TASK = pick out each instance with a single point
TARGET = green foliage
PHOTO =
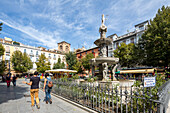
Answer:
(21, 62)
(2, 67)
(43, 64)
(59, 65)
(86, 61)
(125, 54)
(75, 77)
(160, 80)
(64, 78)
(2, 49)
(71, 60)
(0, 26)
(78, 67)
(154, 44)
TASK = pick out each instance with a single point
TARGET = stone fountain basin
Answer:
(105, 41)
(109, 60)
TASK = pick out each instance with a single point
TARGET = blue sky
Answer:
(48, 22)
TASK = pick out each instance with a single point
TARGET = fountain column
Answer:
(103, 60)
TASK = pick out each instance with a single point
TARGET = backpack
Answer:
(50, 84)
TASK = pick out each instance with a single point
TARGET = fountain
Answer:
(103, 61)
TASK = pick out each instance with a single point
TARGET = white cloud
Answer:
(76, 21)
(48, 39)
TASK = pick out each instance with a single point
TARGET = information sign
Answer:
(149, 81)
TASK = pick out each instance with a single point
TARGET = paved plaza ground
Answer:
(12, 100)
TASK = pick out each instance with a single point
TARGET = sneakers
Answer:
(50, 101)
(38, 106)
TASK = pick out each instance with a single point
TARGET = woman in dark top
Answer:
(8, 79)
(14, 78)
(34, 83)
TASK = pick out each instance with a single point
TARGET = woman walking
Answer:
(8, 79)
(14, 78)
(47, 89)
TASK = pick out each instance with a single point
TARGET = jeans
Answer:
(47, 93)
(14, 83)
(34, 92)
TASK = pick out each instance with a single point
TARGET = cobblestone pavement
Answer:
(17, 100)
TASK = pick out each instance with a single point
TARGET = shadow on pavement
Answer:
(11, 93)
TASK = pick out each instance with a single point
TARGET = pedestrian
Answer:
(14, 78)
(25, 77)
(34, 83)
(47, 88)
(8, 79)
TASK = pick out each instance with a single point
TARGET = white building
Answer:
(131, 37)
(34, 52)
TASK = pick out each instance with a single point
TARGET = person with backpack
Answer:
(34, 83)
(47, 88)
(14, 78)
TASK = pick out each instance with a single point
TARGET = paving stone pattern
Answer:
(17, 100)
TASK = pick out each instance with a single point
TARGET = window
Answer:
(141, 27)
(132, 40)
(31, 51)
(61, 47)
(67, 48)
(24, 50)
(36, 59)
(7, 49)
(124, 41)
(36, 52)
(117, 44)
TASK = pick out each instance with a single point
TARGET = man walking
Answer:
(34, 83)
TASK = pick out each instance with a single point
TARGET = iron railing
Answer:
(108, 98)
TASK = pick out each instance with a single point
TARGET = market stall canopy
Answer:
(61, 71)
(137, 71)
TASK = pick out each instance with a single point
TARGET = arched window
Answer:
(61, 47)
(67, 48)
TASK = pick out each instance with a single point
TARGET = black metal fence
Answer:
(108, 98)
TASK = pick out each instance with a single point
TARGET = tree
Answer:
(125, 54)
(0, 26)
(71, 59)
(59, 65)
(2, 50)
(43, 64)
(154, 44)
(21, 62)
(78, 67)
(86, 61)
(2, 63)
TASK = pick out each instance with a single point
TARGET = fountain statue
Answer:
(103, 61)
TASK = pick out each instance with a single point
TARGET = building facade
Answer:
(64, 47)
(131, 37)
(33, 52)
(95, 51)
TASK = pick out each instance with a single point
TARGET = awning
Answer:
(137, 71)
(61, 71)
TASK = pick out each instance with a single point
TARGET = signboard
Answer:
(149, 81)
